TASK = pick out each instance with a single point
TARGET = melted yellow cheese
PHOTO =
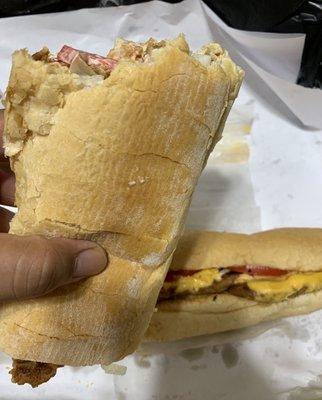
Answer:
(279, 289)
(265, 290)
(242, 278)
(193, 283)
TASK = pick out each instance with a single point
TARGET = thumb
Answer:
(31, 266)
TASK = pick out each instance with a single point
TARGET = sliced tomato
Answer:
(253, 270)
(258, 270)
(67, 55)
(174, 275)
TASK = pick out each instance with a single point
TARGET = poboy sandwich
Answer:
(224, 281)
(108, 149)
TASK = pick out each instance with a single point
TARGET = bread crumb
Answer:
(152, 259)
(114, 369)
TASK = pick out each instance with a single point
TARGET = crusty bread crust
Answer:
(174, 320)
(91, 322)
(116, 163)
(298, 249)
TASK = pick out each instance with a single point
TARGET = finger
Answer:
(5, 218)
(2, 158)
(31, 266)
(5, 166)
(7, 188)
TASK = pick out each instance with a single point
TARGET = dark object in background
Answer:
(282, 16)
(254, 15)
(10, 8)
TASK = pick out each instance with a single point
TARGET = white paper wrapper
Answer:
(280, 185)
(275, 59)
(225, 197)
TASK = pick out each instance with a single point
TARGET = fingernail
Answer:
(89, 262)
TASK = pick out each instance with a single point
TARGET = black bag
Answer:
(286, 16)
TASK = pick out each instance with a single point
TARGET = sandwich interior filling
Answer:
(93, 68)
(259, 283)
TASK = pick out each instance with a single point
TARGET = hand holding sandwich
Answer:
(107, 148)
(33, 265)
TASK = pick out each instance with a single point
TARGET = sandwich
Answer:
(107, 149)
(224, 281)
